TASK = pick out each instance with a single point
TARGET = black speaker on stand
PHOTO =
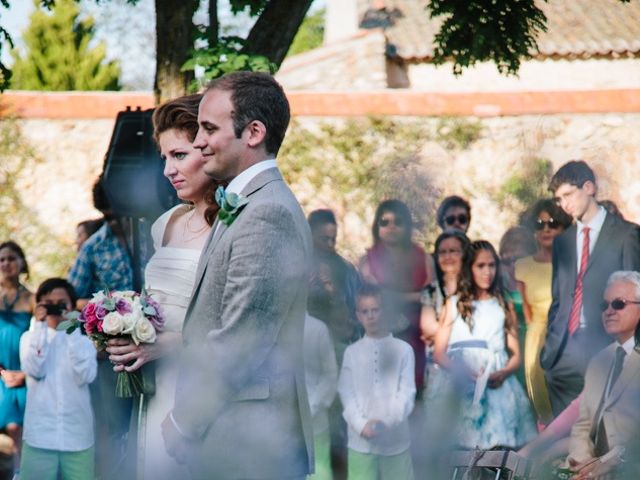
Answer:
(137, 190)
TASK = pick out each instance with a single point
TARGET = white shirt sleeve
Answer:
(324, 392)
(352, 413)
(82, 355)
(33, 351)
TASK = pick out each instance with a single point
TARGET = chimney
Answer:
(341, 20)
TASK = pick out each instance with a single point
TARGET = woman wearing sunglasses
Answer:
(547, 220)
(402, 269)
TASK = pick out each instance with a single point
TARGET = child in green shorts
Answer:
(377, 389)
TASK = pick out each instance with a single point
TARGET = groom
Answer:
(241, 408)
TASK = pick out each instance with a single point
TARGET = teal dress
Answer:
(12, 400)
(515, 298)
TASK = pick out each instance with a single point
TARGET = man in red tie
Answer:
(584, 257)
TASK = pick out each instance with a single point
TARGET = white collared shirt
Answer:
(628, 346)
(238, 183)
(59, 369)
(595, 226)
(377, 383)
(320, 370)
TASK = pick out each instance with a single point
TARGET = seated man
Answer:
(609, 415)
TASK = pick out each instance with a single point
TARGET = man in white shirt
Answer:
(584, 256)
(609, 406)
(377, 390)
(58, 420)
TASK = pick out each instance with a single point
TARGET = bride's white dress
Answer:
(169, 278)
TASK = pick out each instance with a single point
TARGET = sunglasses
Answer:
(551, 223)
(616, 304)
(385, 222)
(461, 219)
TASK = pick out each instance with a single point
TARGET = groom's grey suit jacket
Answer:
(241, 394)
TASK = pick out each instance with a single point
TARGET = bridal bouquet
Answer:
(119, 314)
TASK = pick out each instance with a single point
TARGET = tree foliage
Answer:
(501, 31)
(59, 55)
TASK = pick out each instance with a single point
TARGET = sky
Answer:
(128, 31)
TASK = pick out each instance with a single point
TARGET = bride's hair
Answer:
(182, 114)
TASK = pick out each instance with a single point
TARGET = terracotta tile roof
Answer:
(576, 28)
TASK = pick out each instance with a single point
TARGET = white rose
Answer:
(98, 297)
(129, 320)
(143, 332)
(112, 323)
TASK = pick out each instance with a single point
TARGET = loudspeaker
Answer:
(133, 177)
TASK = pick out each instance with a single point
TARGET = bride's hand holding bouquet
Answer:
(120, 317)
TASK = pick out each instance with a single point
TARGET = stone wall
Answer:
(57, 189)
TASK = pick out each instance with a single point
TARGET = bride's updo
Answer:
(182, 114)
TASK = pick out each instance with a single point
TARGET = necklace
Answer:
(8, 305)
(194, 233)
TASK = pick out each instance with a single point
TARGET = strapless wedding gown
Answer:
(169, 278)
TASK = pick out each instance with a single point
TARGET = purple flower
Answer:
(101, 312)
(156, 320)
(123, 306)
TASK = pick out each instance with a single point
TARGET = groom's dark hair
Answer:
(256, 96)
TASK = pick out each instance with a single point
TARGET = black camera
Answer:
(54, 308)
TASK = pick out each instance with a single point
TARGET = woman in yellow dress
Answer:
(534, 276)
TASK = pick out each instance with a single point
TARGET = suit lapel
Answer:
(604, 238)
(630, 370)
(218, 229)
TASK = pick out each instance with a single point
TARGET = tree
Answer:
(310, 35)
(58, 55)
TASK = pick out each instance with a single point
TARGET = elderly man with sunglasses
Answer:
(609, 417)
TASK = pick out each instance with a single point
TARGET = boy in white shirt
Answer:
(377, 389)
(58, 421)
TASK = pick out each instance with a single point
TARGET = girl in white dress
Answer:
(178, 237)
(478, 340)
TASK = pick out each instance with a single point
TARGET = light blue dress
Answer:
(12, 400)
(489, 416)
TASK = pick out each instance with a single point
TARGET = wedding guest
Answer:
(478, 341)
(609, 407)
(179, 236)
(454, 213)
(533, 272)
(332, 292)
(583, 258)
(516, 243)
(321, 378)
(377, 390)
(85, 229)
(402, 269)
(16, 308)
(58, 430)
(438, 408)
(104, 262)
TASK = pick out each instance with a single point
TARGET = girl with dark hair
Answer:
(479, 337)
(402, 269)
(178, 238)
(16, 307)
(533, 273)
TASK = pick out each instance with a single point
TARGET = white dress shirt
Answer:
(238, 183)
(595, 226)
(321, 371)
(377, 383)
(59, 369)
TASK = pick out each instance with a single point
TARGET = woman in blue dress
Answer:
(478, 342)
(16, 307)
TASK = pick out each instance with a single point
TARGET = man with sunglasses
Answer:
(454, 213)
(583, 258)
(609, 406)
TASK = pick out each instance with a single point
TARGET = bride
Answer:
(178, 237)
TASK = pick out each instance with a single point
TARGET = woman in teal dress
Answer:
(16, 307)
